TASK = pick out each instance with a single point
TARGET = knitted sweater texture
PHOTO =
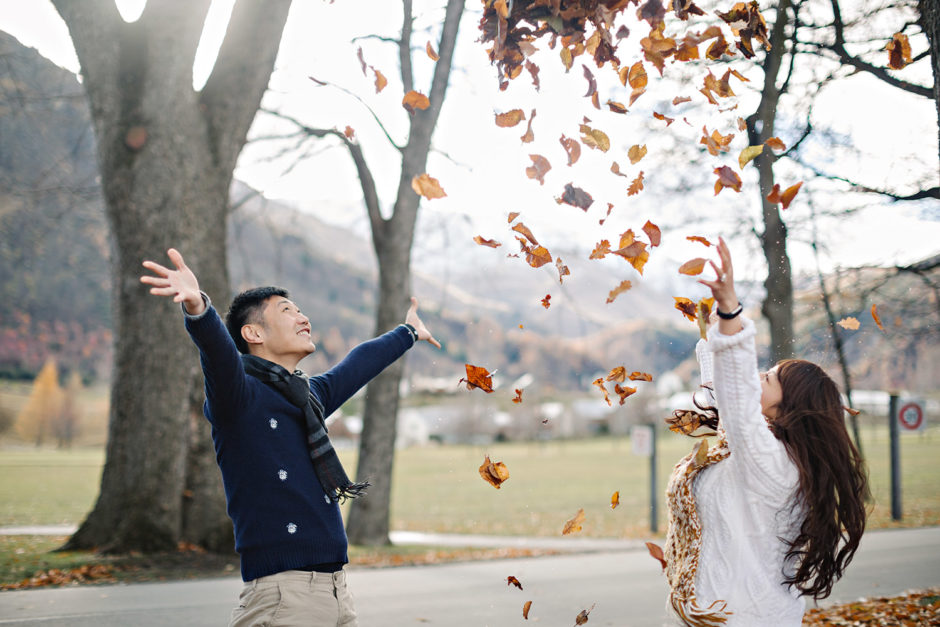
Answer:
(283, 519)
(746, 502)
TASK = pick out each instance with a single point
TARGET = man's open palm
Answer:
(180, 284)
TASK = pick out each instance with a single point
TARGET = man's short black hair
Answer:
(246, 309)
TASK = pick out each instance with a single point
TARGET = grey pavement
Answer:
(623, 583)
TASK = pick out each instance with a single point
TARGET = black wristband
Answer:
(731, 314)
(411, 329)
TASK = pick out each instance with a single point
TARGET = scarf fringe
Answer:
(691, 614)
(351, 491)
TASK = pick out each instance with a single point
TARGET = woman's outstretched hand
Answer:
(726, 300)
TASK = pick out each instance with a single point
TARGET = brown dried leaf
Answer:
(525, 609)
(563, 270)
(486, 242)
(582, 617)
(693, 267)
(594, 138)
(899, 51)
(431, 53)
(656, 553)
(512, 581)
(641, 376)
(749, 154)
(494, 474)
(615, 499)
(600, 251)
(652, 231)
(727, 178)
(509, 118)
(849, 323)
(546, 302)
(518, 397)
(478, 377)
(539, 168)
(576, 197)
(414, 100)
(699, 239)
(617, 374)
(427, 186)
(876, 317)
(574, 525)
(572, 148)
(636, 152)
(529, 136)
(636, 185)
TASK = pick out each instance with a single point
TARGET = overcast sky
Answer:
(481, 167)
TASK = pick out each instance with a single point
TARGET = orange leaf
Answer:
(546, 302)
(510, 118)
(899, 51)
(615, 499)
(539, 168)
(616, 107)
(574, 525)
(727, 178)
(636, 185)
(512, 216)
(680, 99)
(518, 397)
(600, 251)
(652, 231)
(493, 474)
(641, 376)
(624, 392)
(594, 138)
(512, 581)
(525, 609)
(486, 242)
(599, 382)
(686, 306)
(693, 266)
(524, 230)
(789, 193)
(615, 168)
(349, 132)
(660, 116)
(563, 270)
(433, 55)
(529, 136)
(478, 377)
(775, 144)
(582, 617)
(380, 80)
(656, 553)
(875, 317)
(414, 100)
(699, 239)
(849, 323)
(618, 374)
(617, 291)
(427, 186)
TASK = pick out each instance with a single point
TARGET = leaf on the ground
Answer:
(849, 323)
(494, 473)
(478, 377)
(427, 186)
(876, 317)
(693, 267)
(539, 168)
(574, 525)
(615, 499)
(512, 581)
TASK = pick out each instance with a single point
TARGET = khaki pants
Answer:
(295, 598)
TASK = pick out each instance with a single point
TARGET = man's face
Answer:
(285, 329)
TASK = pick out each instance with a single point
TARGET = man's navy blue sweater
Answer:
(282, 517)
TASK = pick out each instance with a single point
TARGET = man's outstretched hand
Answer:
(181, 283)
(413, 319)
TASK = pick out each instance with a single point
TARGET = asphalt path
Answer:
(624, 586)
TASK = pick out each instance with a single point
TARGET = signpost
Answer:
(911, 415)
(643, 440)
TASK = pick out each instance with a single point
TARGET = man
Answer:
(283, 481)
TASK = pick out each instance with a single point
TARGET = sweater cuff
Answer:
(717, 341)
(206, 302)
(411, 332)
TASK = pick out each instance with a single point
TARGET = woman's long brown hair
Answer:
(810, 421)
(833, 479)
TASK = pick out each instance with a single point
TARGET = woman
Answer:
(774, 510)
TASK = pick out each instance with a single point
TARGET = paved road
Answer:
(624, 585)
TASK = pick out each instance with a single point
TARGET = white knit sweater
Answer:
(745, 502)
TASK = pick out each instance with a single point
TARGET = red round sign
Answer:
(911, 416)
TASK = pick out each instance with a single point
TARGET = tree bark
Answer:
(778, 302)
(166, 155)
(392, 238)
(930, 22)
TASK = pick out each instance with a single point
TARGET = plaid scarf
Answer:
(296, 389)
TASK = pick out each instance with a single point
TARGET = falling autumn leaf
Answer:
(528, 137)
(539, 168)
(574, 525)
(652, 231)
(701, 454)
(349, 132)
(486, 242)
(615, 168)
(576, 197)
(686, 306)
(618, 374)
(594, 138)
(635, 153)
(716, 143)
(546, 302)
(693, 267)
(849, 323)
(415, 100)
(512, 581)
(427, 186)
(699, 239)
(525, 609)
(512, 216)
(785, 197)
(525, 231)
(509, 118)
(563, 270)
(478, 377)
(775, 144)
(666, 119)
(616, 107)
(572, 148)
(380, 80)
(615, 499)
(431, 53)
(876, 317)
(582, 617)
(623, 392)
(362, 61)
(680, 99)
(518, 397)
(636, 185)
(656, 553)
(640, 376)
(600, 250)
(617, 291)
(727, 178)
(599, 382)
(899, 51)
(592, 82)
(748, 154)
(494, 474)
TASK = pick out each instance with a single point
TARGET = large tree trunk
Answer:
(166, 155)
(930, 22)
(392, 238)
(778, 302)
